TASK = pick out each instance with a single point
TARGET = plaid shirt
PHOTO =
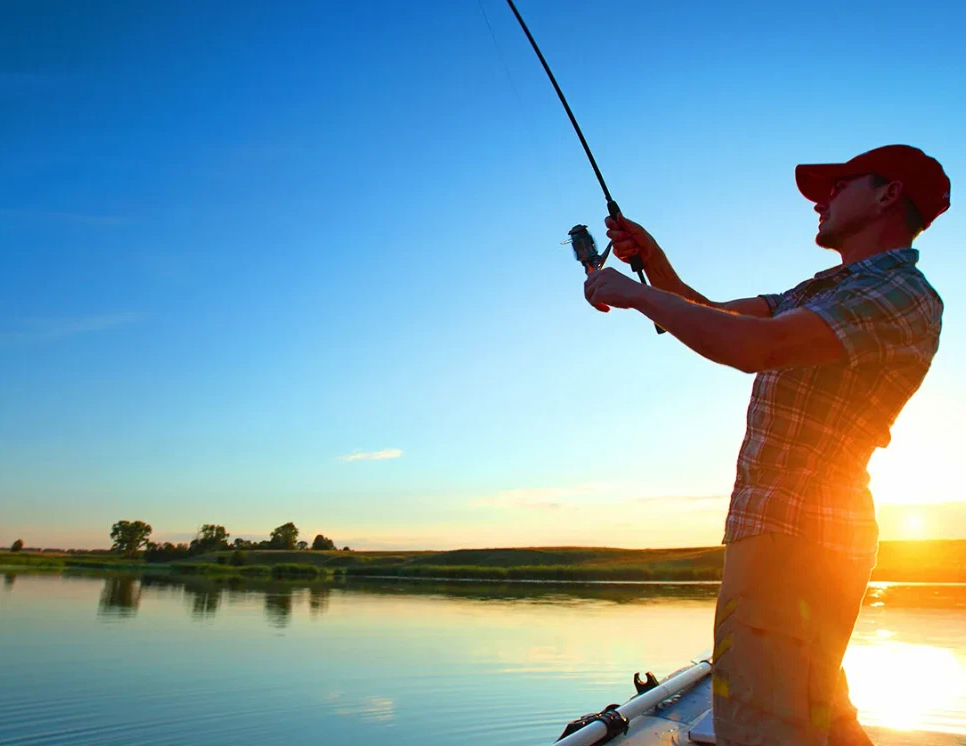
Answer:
(802, 467)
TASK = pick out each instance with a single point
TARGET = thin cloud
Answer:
(519, 502)
(51, 329)
(540, 498)
(65, 217)
(687, 502)
(388, 453)
(595, 494)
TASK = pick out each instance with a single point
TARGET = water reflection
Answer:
(530, 655)
(319, 600)
(204, 596)
(9, 578)
(906, 685)
(916, 595)
(278, 607)
(541, 591)
(367, 709)
(906, 661)
(204, 601)
(120, 597)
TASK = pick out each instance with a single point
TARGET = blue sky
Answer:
(241, 243)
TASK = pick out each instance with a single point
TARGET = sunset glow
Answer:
(895, 684)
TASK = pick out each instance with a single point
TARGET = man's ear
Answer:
(891, 194)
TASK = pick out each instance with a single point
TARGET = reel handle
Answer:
(637, 264)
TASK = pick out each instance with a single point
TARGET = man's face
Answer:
(849, 208)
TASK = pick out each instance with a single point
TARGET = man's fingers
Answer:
(625, 254)
(590, 299)
(621, 239)
(591, 285)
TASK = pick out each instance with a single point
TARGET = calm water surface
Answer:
(123, 660)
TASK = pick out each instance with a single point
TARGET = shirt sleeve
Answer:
(881, 319)
(772, 299)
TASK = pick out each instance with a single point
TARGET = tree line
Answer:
(133, 539)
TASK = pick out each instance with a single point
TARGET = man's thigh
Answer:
(783, 621)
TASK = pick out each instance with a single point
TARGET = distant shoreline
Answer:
(924, 561)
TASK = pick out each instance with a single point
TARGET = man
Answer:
(836, 359)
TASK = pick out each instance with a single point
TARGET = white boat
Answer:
(676, 711)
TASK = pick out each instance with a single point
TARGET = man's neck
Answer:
(871, 242)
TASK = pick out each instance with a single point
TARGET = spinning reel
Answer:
(585, 249)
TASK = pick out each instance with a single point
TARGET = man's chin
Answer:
(826, 240)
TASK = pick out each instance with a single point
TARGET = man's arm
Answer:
(662, 276)
(749, 343)
(799, 338)
(630, 239)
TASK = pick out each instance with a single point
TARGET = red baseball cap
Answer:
(923, 179)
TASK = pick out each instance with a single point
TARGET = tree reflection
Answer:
(278, 606)
(204, 600)
(9, 578)
(319, 600)
(121, 597)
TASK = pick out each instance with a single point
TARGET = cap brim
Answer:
(815, 180)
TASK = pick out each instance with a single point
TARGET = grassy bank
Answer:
(899, 561)
(61, 561)
(278, 571)
(567, 563)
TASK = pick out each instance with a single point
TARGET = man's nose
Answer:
(821, 207)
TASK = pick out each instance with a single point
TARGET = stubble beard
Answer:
(835, 238)
(827, 239)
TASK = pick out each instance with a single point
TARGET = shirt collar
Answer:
(882, 261)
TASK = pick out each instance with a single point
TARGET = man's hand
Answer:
(629, 239)
(608, 288)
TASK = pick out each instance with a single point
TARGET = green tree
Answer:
(321, 542)
(285, 536)
(210, 538)
(302, 545)
(166, 552)
(17, 545)
(130, 536)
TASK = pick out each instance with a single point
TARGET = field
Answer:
(905, 561)
(899, 561)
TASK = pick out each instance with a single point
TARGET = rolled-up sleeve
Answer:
(880, 318)
(772, 299)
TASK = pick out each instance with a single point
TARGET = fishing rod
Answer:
(584, 247)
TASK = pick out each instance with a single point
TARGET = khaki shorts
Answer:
(785, 613)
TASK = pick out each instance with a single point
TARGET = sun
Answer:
(913, 525)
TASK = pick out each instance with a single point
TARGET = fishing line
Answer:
(637, 264)
(534, 140)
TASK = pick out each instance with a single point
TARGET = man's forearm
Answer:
(662, 276)
(723, 337)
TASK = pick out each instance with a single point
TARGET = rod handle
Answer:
(637, 264)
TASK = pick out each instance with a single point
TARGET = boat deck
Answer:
(685, 720)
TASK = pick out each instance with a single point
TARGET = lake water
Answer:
(123, 660)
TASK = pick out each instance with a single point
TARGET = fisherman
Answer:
(836, 359)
